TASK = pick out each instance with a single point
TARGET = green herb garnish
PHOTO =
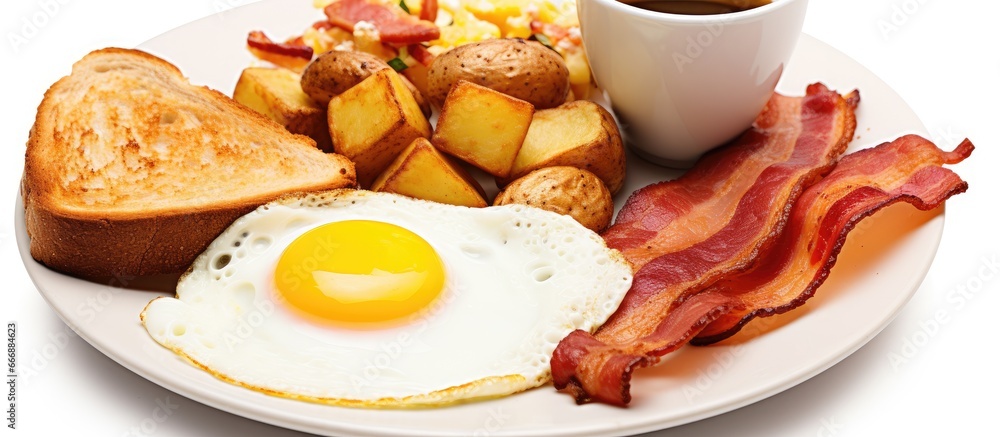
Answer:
(397, 64)
(543, 39)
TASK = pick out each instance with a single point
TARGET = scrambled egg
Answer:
(552, 22)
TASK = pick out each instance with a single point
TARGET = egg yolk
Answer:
(359, 271)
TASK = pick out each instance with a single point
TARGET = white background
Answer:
(942, 56)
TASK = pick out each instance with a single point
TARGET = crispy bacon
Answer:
(905, 170)
(673, 215)
(428, 10)
(595, 370)
(294, 54)
(551, 30)
(393, 27)
(421, 54)
(749, 187)
(322, 25)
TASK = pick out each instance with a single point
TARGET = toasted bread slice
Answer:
(131, 171)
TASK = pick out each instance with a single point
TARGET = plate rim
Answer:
(250, 410)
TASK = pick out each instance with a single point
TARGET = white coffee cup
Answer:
(684, 84)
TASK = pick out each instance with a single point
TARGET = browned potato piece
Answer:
(579, 134)
(374, 121)
(275, 92)
(417, 75)
(566, 190)
(482, 127)
(523, 69)
(337, 71)
(423, 172)
(425, 106)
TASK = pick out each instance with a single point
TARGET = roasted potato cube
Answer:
(423, 172)
(578, 134)
(276, 93)
(566, 190)
(417, 74)
(372, 122)
(483, 127)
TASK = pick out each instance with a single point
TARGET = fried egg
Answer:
(372, 299)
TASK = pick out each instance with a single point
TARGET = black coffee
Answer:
(695, 7)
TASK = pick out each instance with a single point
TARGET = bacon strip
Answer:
(673, 215)
(393, 27)
(322, 25)
(905, 170)
(594, 370)
(293, 55)
(551, 30)
(749, 187)
(421, 54)
(428, 10)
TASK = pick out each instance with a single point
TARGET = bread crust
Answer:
(102, 242)
(95, 248)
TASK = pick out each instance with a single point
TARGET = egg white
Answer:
(518, 280)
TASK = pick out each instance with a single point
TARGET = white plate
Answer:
(869, 285)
